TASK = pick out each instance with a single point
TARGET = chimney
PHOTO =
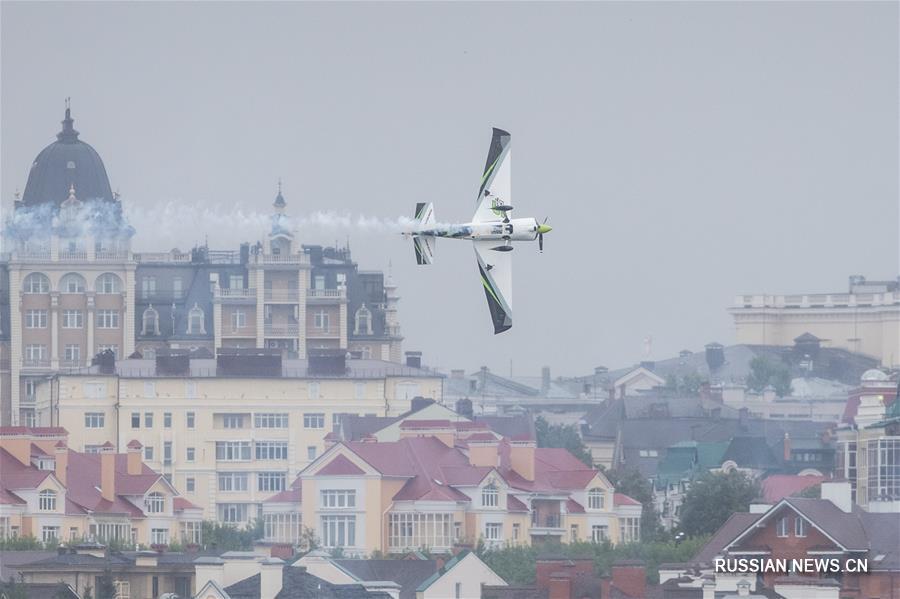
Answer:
(108, 471)
(715, 355)
(457, 373)
(709, 589)
(838, 493)
(743, 588)
(484, 453)
(630, 577)
(419, 403)
(270, 577)
(560, 586)
(208, 569)
(414, 359)
(521, 457)
(62, 462)
(135, 463)
(787, 447)
(545, 380)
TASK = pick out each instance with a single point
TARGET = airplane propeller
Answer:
(543, 228)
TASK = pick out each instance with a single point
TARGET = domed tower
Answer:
(65, 164)
(280, 237)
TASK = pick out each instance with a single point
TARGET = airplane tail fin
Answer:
(424, 214)
(424, 245)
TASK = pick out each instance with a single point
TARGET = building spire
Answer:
(68, 133)
(279, 202)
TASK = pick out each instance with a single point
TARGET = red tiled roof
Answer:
(16, 475)
(286, 496)
(340, 466)
(778, 486)
(481, 437)
(134, 444)
(180, 503)
(10, 498)
(623, 499)
(37, 431)
(514, 505)
(425, 424)
(573, 507)
(36, 451)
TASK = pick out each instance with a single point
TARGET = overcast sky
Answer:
(685, 153)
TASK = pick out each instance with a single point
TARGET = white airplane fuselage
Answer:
(517, 229)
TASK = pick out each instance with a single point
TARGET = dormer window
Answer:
(150, 321)
(47, 500)
(595, 499)
(489, 496)
(363, 324)
(196, 324)
(156, 503)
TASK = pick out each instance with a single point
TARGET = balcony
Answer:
(282, 259)
(282, 330)
(163, 257)
(73, 256)
(329, 333)
(238, 295)
(282, 295)
(817, 300)
(161, 295)
(327, 294)
(546, 524)
(111, 255)
(36, 362)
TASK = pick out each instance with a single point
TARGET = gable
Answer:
(764, 533)
(348, 464)
(340, 466)
(433, 411)
(640, 376)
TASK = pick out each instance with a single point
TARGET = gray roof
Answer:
(9, 560)
(297, 583)
(408, 573)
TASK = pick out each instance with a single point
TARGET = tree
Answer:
(224, 537)
(12, 589)
(764, 372)
(564, 436)
(712, 499)
(632, 483)
(106, 588)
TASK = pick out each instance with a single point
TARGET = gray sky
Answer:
(684, 152)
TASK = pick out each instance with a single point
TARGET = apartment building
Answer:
(55, 493)
(71, 287)
(441, 484)
(864, 319)
(228, 432)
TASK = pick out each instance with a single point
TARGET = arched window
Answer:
(150, 321)
(36, 283)
(72, 283)
(108, 283)
(156, 503)
(47, 500)
(363, 324)
(595, 499)
(196, 324)
(489, 496)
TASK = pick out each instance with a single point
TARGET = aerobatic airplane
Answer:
(491, 231)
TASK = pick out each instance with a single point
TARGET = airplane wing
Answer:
(496, 181)
(495, 269)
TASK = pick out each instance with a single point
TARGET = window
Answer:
(311, 453)
(148, 419)
(314, 420)
(517, 530)
(275, 420)
(36, 283)
(150, 321)
(167, 452)
(883, 482)
(271, 450)
(313, 390)
(489, 496)
(599, 533)
(108, 283)
(47, 500)
(73, 319)
(156, 503)
(135, 420)
(94, 419)
(36, 319)
(238, 319)
(236, 281)
(270, 481)
(320, 319)
(190, 454)
(800, 525)
(167, 419)
(233, 481)
(191, 534)
(107, 319)
(72, 283)
(338, 498)
(457, 590)
(338, 531)
(176, 287)
(190, 390)
(493, 531)
(148, 452)
(30, 389)
(72, 353)
(148, 286)
(782, 527)
(49, 534)
(189, 419)
(232, 513)
(631, 530)
(159, 536)
(595, 499)
(360, 390)
(282, 528)
(190, 484)
(235, 451)
(233, 421)
(196, 321)
(363, 325)
(573, 533)
(35, 353)
(414, 530)
(113, 348)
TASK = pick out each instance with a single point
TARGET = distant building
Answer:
(228, 431)
(865, 319)
(53, 493)
(71, 287)
(439, 486)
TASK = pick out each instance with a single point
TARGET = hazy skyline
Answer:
(685, 152)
